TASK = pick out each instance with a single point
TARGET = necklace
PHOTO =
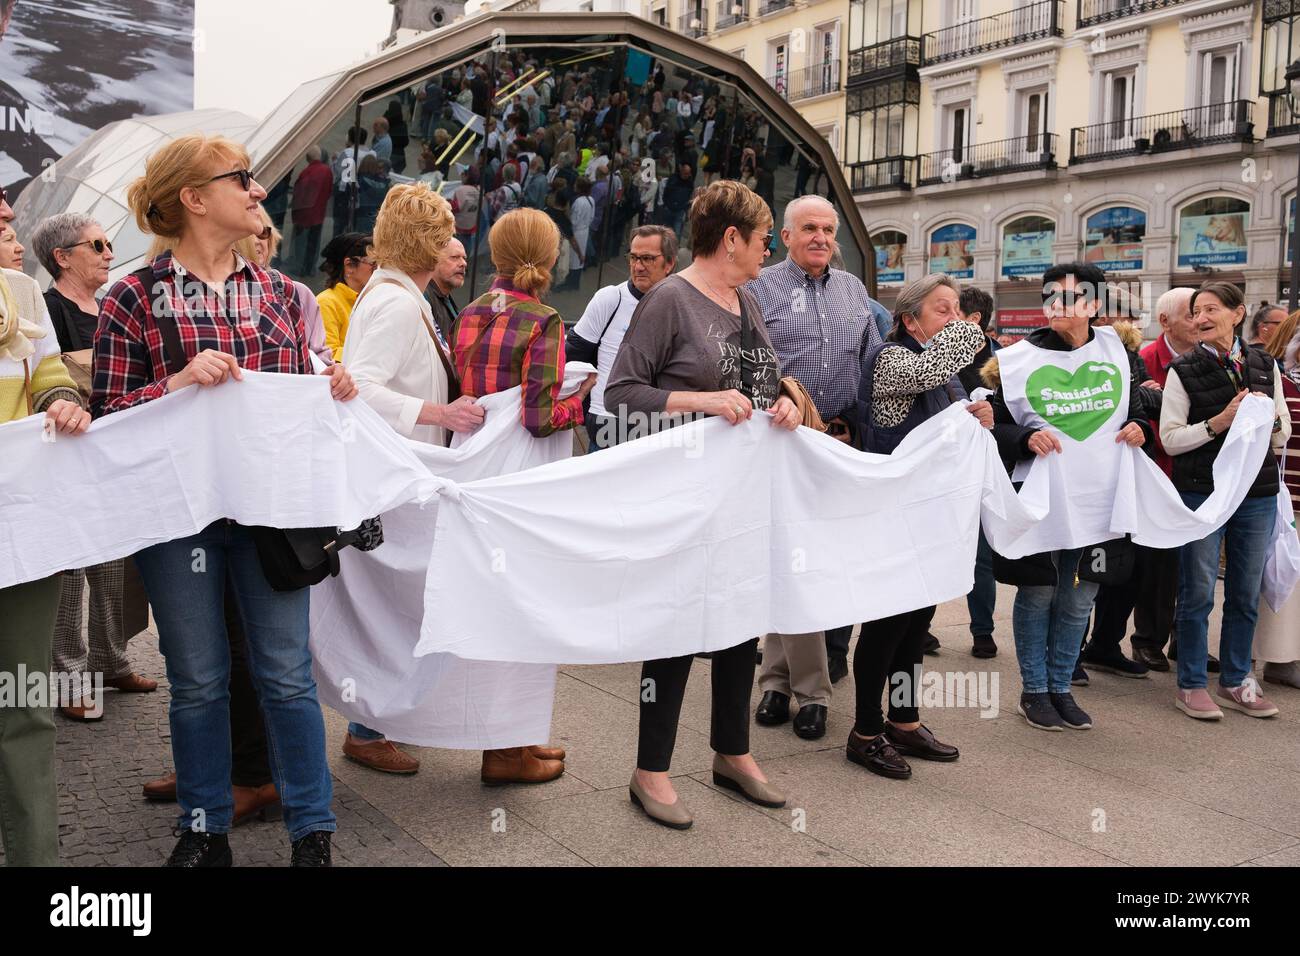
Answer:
(720, 299)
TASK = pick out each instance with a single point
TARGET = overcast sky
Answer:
(253, 53)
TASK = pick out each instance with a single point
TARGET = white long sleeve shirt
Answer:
(1178, 437)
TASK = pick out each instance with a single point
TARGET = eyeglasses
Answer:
(99, 245)
(244, 176)
(769, 240)
(4, 194)
(643, 260)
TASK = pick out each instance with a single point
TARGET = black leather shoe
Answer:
(195, 850)
(773, 709)
(983, 646)
(838, 665)
(1112, 661)
(1212, 664)
(810, 722)
(920, 743)
(312, 850)
(931, 645)
(1152, 657)
(878, 755)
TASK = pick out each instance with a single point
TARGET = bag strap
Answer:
(746, 346)
(610, 320)
(453, 381)
(27, 385)
(173, 350)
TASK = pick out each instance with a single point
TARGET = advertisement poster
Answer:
(1014, 324)
(1027, 247)
(952, 250)
(69, 68)
(1113, 239)
(1218, 240)
(890, 248)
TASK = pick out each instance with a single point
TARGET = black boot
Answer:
(195, 849)
(312, 850)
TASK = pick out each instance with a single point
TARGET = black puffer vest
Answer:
(1209, 390)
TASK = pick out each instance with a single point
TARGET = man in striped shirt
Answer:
(821, 321)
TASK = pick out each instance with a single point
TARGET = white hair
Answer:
(793, 207)
(1169, 303)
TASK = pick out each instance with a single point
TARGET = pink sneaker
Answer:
(1197, 703)
(1247, 698)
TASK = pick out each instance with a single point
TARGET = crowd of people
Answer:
(797, 342)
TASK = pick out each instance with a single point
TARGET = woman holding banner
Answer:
(1204, 389)
(1067, 383)
(222, 314)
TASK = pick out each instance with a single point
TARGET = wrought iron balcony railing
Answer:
(892, 172)
(1018, 154)
(815, 80)
(1283, 114)
(693, 23)
(728, 13)
(895, 54)
(772, 6)
(1280, 9)
(1090, 12)
(1228, 122)
(1033, 21)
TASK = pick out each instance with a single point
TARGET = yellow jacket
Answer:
(49, 375)
(335, 309)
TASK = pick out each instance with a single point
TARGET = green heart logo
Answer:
(1075, 404)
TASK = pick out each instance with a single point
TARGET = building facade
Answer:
(1156, 138)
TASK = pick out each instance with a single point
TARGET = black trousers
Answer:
(250, 764)
(663, 687)
(891, 648)
(1153, 615)
(837, 641)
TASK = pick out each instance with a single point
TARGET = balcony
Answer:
(1164, 132)
(773, 6)
(1091, 12)
(1018, 154)
(693, 23)
(1283, 114)
(896, 54)
(893, 172)
(1280, 9)
(1035, 21)
(816, 80)
(729, 13)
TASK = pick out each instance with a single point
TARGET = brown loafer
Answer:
(83, 710)
(262, 802)
(517, 765)
(382, 755)
(164, 788)
(132, 684)
(548, 753)
(878, 755)
(919, 743)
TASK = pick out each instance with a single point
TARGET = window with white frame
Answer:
(1032, 117)
(1218, 51)
(957, 129)
(1119, 97)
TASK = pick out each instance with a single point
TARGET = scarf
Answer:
(16, 332)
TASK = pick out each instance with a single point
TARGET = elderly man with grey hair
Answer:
(74, 250)
(311, 194)
(821, 320)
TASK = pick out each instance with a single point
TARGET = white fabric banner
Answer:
(366, 622)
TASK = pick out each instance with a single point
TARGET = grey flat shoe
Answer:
(751, 788)
(674, 815)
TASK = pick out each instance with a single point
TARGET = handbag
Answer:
(1282, 563)
(291, 558)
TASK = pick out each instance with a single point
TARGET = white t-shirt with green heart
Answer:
(1082, 395)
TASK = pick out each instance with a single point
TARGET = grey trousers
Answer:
(795, 665)
(106, 652)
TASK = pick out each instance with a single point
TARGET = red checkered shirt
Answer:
(505, 338)
(258, 321)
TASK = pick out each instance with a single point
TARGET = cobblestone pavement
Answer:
(1145, 786)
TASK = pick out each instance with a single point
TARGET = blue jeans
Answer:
(1248, 534)
(1049, 623)
(185, 581)
(981, 600)
(363, 733)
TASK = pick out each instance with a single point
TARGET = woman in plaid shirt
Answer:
(198, 197)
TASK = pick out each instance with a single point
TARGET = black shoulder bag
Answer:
(291, 558)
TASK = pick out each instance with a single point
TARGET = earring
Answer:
(731, 256)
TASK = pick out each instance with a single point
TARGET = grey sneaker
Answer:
(1038, 712)
(1247, 698)
(1071, 713)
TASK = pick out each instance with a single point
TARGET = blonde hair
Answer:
(187, 162)
(1281, 337)
(413, 226)
(525, 244)
(247, 247)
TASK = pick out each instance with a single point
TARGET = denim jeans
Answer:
(1248, 534)
(980, 601)
(185, 581)
(363, 733)
(1049, 623)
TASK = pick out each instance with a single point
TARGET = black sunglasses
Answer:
(4, 194)
(245, 178)
(99, 245)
